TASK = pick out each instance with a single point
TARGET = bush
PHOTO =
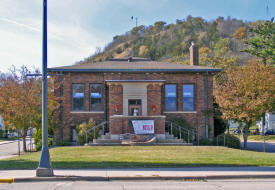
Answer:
(38, 140)
(205, 142)
(119, 50)
(231, 141)
(2, 133)
(63, 143)
(81, 132)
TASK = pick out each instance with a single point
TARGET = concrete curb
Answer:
(7, 142)
(136, 178)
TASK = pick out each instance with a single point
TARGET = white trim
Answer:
(87, 112)
(180, 112)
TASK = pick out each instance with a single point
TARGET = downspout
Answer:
(106, 105)
(61, 107)
(206, 103)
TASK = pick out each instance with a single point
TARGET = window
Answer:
(188, 97)
(170, 97)
(78, 97)
(96, 97)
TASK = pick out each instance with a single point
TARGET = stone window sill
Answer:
(86, 112)
(180, 112)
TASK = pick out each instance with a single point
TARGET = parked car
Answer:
(12, 135)
(236, 131)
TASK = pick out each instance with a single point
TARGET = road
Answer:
(258, 146)
(256, 184)
(10, 148)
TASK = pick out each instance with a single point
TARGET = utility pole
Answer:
(44, 168)
(136, 21)
(132, 17)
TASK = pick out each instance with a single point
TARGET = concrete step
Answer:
(99, 141)
(168, 136)
(170, 141)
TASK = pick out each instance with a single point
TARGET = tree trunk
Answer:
(24, 139)
(245, 134)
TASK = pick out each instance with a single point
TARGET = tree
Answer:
(262, 44)
(20, 101)
(159, 25)
(245, 93)
(239, 33)
(221, 56)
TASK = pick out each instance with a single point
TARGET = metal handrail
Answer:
(182, 129)
(224, 136)
(94, 128)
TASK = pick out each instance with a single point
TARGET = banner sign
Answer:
(142, 127)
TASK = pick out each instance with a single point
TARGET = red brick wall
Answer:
(154, 99)
(155, 96)
(122, 125)
(115, 99)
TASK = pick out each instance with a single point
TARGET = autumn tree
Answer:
(239, 33)
(20, 101)
(262, 43)
(245, 93)
(221, 56)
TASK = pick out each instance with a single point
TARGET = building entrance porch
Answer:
(135, 101)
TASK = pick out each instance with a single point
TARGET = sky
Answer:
(77, 27)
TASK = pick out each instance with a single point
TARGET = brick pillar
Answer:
(154, 99)
(115, 99)
(115, 108)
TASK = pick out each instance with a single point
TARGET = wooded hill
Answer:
(220, 42)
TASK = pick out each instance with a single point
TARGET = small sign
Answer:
(142, 127)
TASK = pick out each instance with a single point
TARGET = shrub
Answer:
(119, 50)
(81, 132)
(231, 141)
(38, 140)
(205, 142)
(63, 143)
(2, 133)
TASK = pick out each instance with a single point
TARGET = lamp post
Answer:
(44, 168)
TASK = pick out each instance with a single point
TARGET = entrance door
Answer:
(135, 107)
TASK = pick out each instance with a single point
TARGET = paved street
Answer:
(258, 146)
(255, 184)
(10, 148)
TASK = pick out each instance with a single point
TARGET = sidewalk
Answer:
(194, 173)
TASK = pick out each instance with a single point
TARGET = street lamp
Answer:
(44, 168)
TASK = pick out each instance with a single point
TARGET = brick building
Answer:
(121, 91)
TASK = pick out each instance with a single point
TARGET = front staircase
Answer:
(138, 140)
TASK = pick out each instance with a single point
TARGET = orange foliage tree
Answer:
(21, 100)
(245, 93)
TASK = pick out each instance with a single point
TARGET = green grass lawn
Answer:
(269, 138)
(142, 156)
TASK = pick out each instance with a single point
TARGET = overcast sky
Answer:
(77, 27)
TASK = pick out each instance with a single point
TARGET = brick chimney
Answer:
(194, 54)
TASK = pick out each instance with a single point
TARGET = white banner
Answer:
(142, 127)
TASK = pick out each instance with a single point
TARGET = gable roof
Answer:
(132, 65)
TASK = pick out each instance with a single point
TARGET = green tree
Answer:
(262, 44)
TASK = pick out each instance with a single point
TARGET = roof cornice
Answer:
(132, 70)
